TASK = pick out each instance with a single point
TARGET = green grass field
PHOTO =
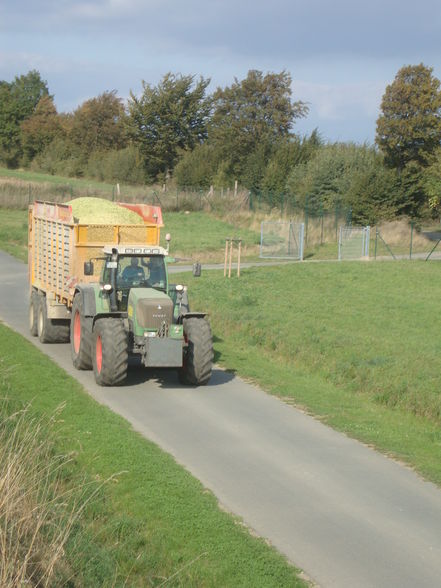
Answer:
(14, 232)
(151, 519)
(199, 236)
(356, 344)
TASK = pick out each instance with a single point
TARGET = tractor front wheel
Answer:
(110, 356)
(198, 355)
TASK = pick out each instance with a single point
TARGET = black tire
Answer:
(110, 355)
(80, 336)
(198, 355)
(33, 313)
(50, 330)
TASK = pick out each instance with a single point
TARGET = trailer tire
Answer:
(49, 330)
(110, 357)
(198, 356)
(33, 313)
(80, 336)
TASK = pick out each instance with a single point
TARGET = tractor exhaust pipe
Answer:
(112, 297)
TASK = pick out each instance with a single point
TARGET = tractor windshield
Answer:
(145, 271)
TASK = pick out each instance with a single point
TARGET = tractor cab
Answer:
(127, 268)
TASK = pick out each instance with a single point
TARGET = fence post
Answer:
(340, 243)
(376, 242)
(411, 239)
(306, 219)
(367, 237)
(302, 236)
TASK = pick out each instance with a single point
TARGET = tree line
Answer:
(245, 132)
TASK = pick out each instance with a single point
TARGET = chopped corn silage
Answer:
(97, 211)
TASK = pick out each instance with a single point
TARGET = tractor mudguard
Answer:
(194, 315)
(89, 303)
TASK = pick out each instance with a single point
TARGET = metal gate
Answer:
(282, 240)
(353, 242)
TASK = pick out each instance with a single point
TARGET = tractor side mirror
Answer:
(88, 268)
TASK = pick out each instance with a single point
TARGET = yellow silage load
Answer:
(89, 210)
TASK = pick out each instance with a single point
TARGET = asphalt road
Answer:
(343, 513)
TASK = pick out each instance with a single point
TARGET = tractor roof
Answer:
(135, 250)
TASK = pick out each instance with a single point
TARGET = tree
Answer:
(409, 126)
(253, 114)
(167, 119)
(18, 101)
(40, 129)
(98, 125)
(287, 154)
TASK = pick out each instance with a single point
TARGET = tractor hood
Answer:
(149, 309)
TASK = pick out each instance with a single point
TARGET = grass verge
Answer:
(153, 524)
(356, 344)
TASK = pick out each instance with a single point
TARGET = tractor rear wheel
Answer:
(110, 357)
(50, 330)
(198, 356)
(33, 313)
(80, 336)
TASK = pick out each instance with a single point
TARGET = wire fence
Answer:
(321, 223)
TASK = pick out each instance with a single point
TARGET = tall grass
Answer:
(36, 510)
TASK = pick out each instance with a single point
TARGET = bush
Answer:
(60, 158)
(197, 167)
(346, 174)
(122, 165)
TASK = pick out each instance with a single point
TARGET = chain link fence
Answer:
(353, 243)
(282, 240)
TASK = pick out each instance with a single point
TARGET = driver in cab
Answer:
(133, 273)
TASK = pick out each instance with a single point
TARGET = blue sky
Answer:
(341, 53)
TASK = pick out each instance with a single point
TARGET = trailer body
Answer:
(59, 246)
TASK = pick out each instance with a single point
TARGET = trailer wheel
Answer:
(50, 330)
(80, 336)
(110, 356)
(33, 314)
(198, 356)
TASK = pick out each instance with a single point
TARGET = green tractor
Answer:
(134, 311)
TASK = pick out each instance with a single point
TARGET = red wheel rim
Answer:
(99, 354)
(77, 332)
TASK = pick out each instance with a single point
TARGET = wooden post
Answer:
(226, 256)
(238, 258)
(235, 188)
(231, 256)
